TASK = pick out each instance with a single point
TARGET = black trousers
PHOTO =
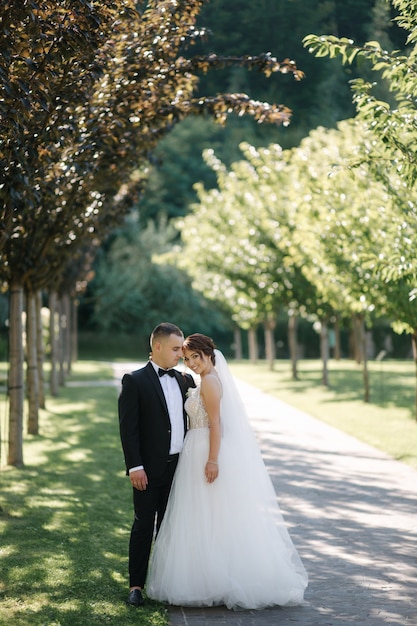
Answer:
(149, 507)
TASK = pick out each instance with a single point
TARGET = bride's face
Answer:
(198, 363)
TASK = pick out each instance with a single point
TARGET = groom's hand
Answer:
(139, 479)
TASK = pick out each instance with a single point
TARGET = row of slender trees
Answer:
(87, 91)
(327, 229)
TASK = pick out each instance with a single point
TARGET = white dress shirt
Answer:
(173, 397)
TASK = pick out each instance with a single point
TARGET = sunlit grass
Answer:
(65, 518)
(91, 370)
(388, 422)
(81, 370)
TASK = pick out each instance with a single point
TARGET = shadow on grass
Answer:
(66, 519)
(391, 384)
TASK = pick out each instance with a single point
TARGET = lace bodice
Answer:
(195, 410)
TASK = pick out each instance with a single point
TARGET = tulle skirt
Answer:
(225, 542)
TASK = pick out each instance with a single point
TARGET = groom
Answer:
(152, 428)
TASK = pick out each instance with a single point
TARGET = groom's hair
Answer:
(165, 329)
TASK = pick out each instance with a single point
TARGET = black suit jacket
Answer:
(145, 427)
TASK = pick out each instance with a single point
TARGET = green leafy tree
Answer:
(305, 229)
(352, 224)
(391, 153)
(132, 293)
(333, 226)
(233, 248)
(392, 125)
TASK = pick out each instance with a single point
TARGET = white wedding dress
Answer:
(224, 542)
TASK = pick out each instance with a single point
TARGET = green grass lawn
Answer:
(65, 517)
(388, 422)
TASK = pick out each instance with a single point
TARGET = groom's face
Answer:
(168, 351)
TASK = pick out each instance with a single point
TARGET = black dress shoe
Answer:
(135, 598)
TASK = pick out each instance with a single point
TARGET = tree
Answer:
(391, 153)
(233, 248)
(394, 126)
(126, 299)
(302, 229)
(354, 222)
(233, 32)
(87, 91)
(217, 254)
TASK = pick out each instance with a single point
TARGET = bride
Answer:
(223, 539)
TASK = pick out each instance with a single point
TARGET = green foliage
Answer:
(87, 91)
(236, 244)
(393, 126)
(132, 294)
(178, 164)
(351, 225)
(336, 217)
(312, 228)
(280, 26)
(321, 99)
(391, 166)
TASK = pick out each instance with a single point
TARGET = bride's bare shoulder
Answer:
(211, 382)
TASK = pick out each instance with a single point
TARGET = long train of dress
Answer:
(224, 542)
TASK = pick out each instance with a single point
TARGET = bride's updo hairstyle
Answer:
(201, 344)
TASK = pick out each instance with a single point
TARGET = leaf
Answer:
(373, 44)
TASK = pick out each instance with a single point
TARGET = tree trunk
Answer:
(67, 333)
(269, 327)
(292, 344)
(32, 363)
(361, 334)
(61, 342)
(414, 345)
(53, 338)
(337, 348)
(253, 345)
(40, 352)
(237, 344)
(324, 349)
(357, 340)
(74, 332)
(15, 382)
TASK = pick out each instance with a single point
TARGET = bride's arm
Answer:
(211, 395)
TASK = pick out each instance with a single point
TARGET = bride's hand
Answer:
(212, 471)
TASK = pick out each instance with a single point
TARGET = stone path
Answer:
(352, 514)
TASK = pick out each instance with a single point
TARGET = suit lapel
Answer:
(153, 377)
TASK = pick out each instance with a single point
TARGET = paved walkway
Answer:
(352, 514)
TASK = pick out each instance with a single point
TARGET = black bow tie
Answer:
(161, 372)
